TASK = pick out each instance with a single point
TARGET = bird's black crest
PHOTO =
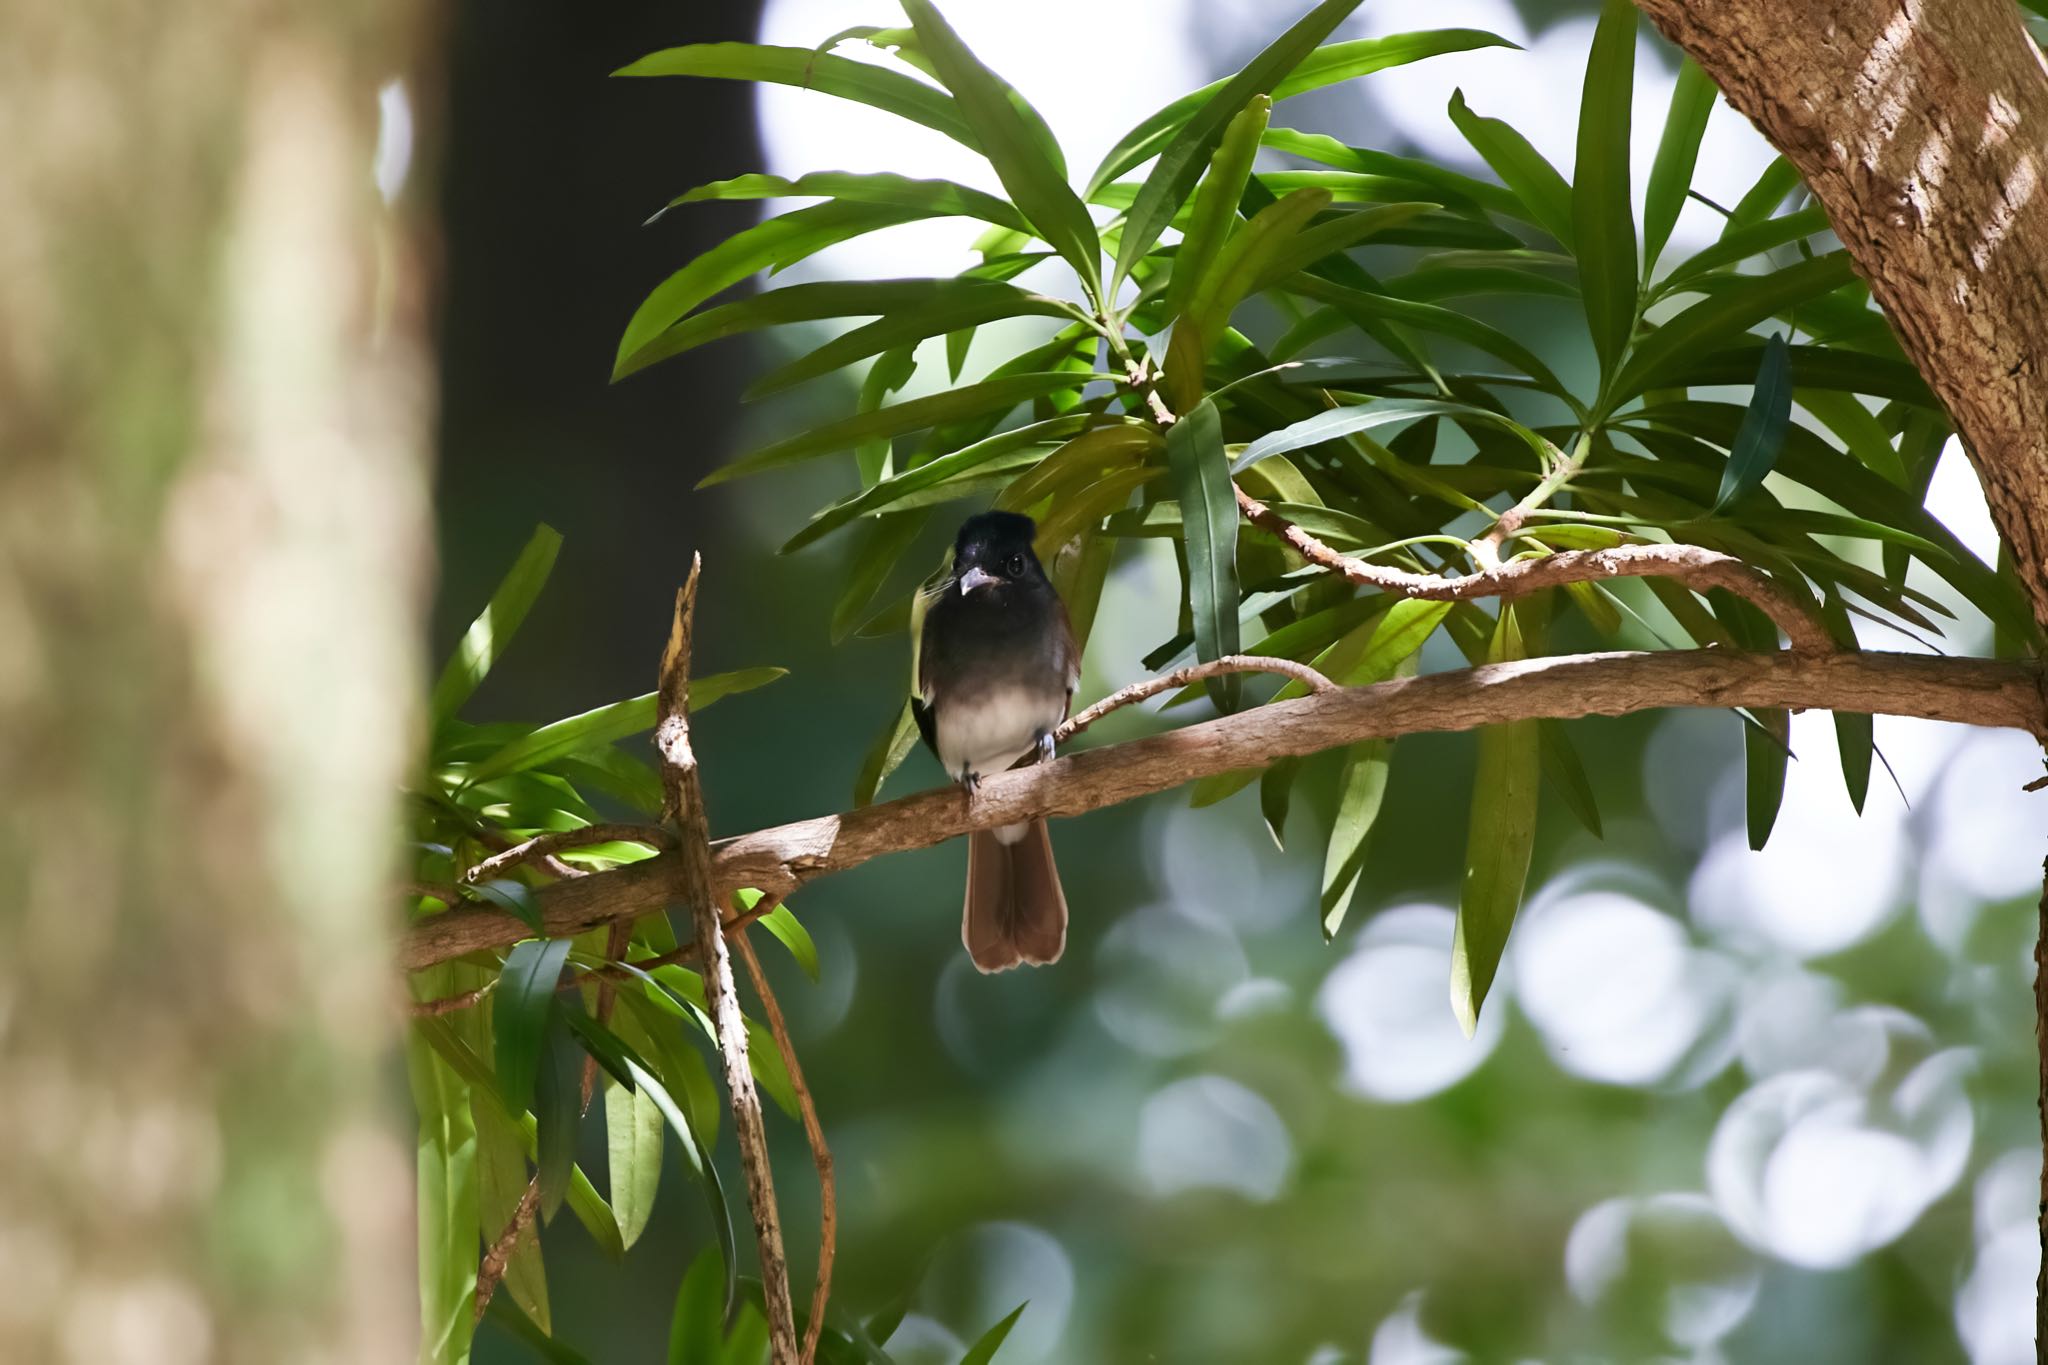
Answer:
(993, 533)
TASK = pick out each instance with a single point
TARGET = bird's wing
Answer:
(927, 724)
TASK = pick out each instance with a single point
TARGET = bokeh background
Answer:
(1723, 1106)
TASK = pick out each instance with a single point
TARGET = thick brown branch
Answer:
(814, 1132)
(683, 795)
(1967, 691)
(1181, 677)
(1693, 565)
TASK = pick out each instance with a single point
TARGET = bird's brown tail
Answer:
(1016, 911)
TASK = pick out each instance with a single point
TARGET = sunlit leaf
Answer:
(984, 1349)
(501, 1185)
(937, 197)
(962, 303)
(696, 1332)
(792, 935)
(633, 1142)
(808, 69)
(884, 756)
(514, 898)
(487, 636)
(1360, 790)
(508, 1316)
(1533, 180)
(447, 1194)
(1201, 469)
(614, 722)
(1722, 319)
(1216, 203)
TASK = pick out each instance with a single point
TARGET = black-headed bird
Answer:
(997, 667)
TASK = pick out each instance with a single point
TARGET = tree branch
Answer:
(1181, 677)
(543, 846)
(1693, 565)
(683, 800)
(1967, 691)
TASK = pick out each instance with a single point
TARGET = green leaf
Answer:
(501, 1185)
(1766, 751)
(1304, 249)
(1741, 244)
(984, 1350)
(519, 1015)
(1455, 189)
(1678, 152)
(1858, 429)
(1012, 137)
(991, 397)
(958, 303)
(1360, 791)
(1276, 794)
(1201, 470)
(932, 473)
(1779, 179)
(1365, 309)
(1533, 180)
(1216, 203)
(1333, 423)
(1215, 295)
(557, 1112)
(777, 242)
(885, 755)
(1081, 462)
(633, 1133)
(696, 1334)
(1183, 157)
(515, 898)
(1500, 839)
(447, 1196)
(606, 1048)
(1603, 217)
(1855, 738)
(494, 627)
(508, 1316)
(697, 1151)
(605, 724)
(1322, 67)
(808, 69)
(792, 935)
(1566, 773)
(1762, 434)
(932, 198)
(1724, 318)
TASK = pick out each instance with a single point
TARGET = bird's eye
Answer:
(1014, 565)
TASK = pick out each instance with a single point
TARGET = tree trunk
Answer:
(1921, 126)
(212, 532)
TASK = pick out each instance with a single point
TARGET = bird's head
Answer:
(993, 549)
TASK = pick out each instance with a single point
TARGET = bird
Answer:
(997, 667)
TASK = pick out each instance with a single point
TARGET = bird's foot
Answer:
(970, 782)
(1045, 746)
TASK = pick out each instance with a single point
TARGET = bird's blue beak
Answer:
(975, 578)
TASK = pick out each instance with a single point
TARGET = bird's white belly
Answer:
(994, 729)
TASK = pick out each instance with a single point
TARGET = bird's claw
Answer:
(1045, 746)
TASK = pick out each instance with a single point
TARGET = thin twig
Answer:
(434, 891)
(1694, 565)
(492, 1269)
(821, 1155)
(544, 846)
(1181, 677)
(449, 1004)
(683, 799)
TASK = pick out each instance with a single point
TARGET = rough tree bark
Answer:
(212, 531)
(1922, 127)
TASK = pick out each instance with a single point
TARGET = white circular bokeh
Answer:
(1388, 1003)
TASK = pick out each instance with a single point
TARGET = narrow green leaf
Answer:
(882, 543)
(1453, 188)
(501, 1184)
(1217, 787)
(1566, 773)
(1858, 429)
(792, 935)
(961, 303)
(1766, 751)
(1779, 179)
(984, 1350)
(1082, 461)
(1216, 293)
(1603, 215)
(776, 242)
(605, 1047)
(937, 198)
(1012, 138)
(1498, 845)
(885, 755)
(447, 1198)
(1724, 318)
(808, 69)
(1183, 157)
(494, 627)
(1201, 469)
(1366, 309)
(1762, 435)
(1739, 245)
(889, 373)
(633, 1133)
(992, 397)
(617, 721)
(1533, 180)
(1678, 152)
(514, 898)
(1325, 66)
(519, 1015)
(932, 473)
(1276, 794)
(1307, 248)
(697, 1151)
(1216, 203)
(1360, 792)
(1333, 423)
(1856, 739)
(557, 1111)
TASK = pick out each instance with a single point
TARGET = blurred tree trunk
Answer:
(1922, 127)
(213, 412)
